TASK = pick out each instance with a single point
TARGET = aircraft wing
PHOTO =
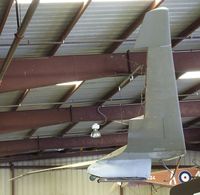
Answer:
(70, 166)
(74, 165)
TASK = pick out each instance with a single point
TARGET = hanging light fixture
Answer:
(95, 131)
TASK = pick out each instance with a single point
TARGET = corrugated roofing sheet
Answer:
(130, 92)
(190, 44)
(14, 135)
(92, 91)
(182, 14)
(184, 84)
(47, 24)
(49, 131)
(3, 4)
(102, 20)
(7, 99)
(43, 97)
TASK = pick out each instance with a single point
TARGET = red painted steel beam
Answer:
(186, 93)
(133, 26)
(69, 28)
(33, 145)
(5, 14)
(31, 73)
(192, 135)
(8, 148)
(193, 147)
(53, 155)
(21, 120)
(187, 31)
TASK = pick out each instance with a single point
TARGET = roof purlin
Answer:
(5, 15)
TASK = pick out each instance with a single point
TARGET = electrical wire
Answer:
(17, 14)
(102, 114)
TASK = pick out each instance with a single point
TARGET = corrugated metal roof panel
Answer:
(114, 127)
(47, 24)
(3, 4)
(13, 135)
(190, 44)
(102, 20)
(184, 84)
(182, 14)
(93, 90)
(44, 95)
(7, 99)
(49, 131)
(82, 128)
(130, 92)
(194, 96)
(187, 119)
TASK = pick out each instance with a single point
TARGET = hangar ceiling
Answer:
(46, 44)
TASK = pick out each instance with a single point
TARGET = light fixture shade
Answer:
(95, 134)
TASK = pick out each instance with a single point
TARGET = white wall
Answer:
(71, 182)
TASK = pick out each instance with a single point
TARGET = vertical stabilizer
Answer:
(159, 135)
(161, 130)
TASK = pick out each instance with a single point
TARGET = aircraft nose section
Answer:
(137, 168)
(93, 169)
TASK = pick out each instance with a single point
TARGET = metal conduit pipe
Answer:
(18, 36)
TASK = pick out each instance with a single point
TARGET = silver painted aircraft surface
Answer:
(159, 136)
